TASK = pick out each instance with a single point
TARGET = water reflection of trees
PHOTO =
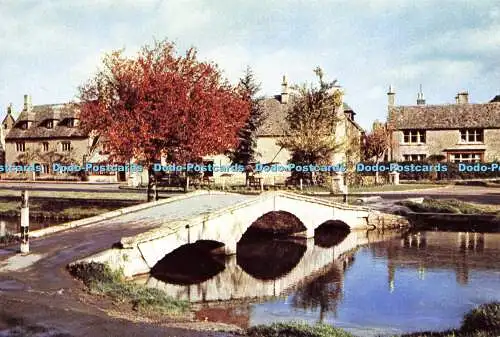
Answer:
(270, 258)
(323, 292)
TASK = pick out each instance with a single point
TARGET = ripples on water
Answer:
(369, 283)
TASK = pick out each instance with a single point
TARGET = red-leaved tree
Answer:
(162, 103)
(377, 143)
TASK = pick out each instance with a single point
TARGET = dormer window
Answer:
(23, 125)
(50, 124)
(72, 122)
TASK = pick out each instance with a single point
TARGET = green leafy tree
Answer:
(312, 122)
(245, 152)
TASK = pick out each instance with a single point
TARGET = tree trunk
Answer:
(151, 190)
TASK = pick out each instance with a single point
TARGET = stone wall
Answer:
(387, 221)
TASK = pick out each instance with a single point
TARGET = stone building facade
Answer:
(49, 134)
(274, 128)
(458, 132)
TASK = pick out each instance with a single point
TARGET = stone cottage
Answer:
(49, 134)
(274, 127)
(458, 132)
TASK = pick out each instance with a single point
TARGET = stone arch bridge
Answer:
(227, 224)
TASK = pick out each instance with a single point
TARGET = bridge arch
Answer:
(275, 223)
(230, 224)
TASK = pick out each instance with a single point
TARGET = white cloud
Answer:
(50, 47)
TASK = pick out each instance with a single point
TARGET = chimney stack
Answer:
(462, 97)
(27, 102)
(420, 97)
(284, 91)
(391, 96)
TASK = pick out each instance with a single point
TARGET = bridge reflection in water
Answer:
(260, 269)
(296, 279)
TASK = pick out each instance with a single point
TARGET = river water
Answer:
(368, 283)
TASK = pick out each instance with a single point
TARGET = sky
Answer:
(50, 47)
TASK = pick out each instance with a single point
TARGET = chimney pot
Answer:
(284, 91)
(391, 96)
(462, 97)
(420, 97)
(27, 102)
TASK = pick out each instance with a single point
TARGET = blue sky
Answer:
(49, 47)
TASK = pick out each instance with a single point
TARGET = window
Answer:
(471, 157)
(414, 157)
(45, 146)
(20, 147)
(66, 146)
(24, 125)
(414, 136)
(50, 124)
(45, 168)
(471, 136)
(105, 148)
(72, 122)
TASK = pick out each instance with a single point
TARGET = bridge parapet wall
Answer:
(227, 225)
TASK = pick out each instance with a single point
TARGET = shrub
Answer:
(93, 272)
(296, 330)
(485, 317)
(9, 238)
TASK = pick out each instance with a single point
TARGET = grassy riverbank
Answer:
(453, 206)
(483, 321)
(101, 280)
(296, 330)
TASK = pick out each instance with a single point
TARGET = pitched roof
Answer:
(446, 116)
(39, 115)
(8, 116)
(274, 116)
(495, 99)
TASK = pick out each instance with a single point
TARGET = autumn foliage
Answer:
(162, 103)
(377, 142)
